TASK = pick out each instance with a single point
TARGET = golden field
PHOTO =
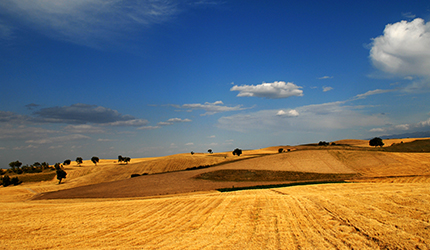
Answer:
(385, 207)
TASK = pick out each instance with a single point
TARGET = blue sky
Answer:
(152, 78)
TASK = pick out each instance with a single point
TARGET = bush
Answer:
(281, 150)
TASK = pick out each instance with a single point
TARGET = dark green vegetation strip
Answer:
(277, 185)
(267, 175)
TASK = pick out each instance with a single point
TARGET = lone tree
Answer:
(237, 152)
(95, 159)
(376, 142)
(192, 152)
(79, 160)
(210, 151)
(61, 174)
(120, 159)
(67, 162)
(15, 166)
(127, 160)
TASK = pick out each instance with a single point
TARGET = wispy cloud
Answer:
(6, 31)
(327, 88)
(211, 108)
(83, 129)
(59, 139)
(322, 117)
(89, 22)
(372, 92)
(274, 90)
(171, 121)
(408, 15)
(401, 128)
(325, 77)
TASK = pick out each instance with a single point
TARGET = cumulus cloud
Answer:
(289, 113)
(89, 22)
(403, 49)
(212, 108)
(274, 90)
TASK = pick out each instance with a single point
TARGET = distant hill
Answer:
(414, 146)
(422, 134)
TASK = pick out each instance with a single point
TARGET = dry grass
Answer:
(388, 210)
(330, 216)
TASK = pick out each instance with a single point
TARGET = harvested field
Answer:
(330, 216)
(385, 208)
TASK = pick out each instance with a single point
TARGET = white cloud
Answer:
(322, 117)
(133, 122)
(289, 113)
(189, 144)
(372, 92)
(408, 15)
(104, 140)
(400, 128)
(171, 121)
(403, 49)
(273, 90)
(148, 127)
(83, 129)
(10, 131)
(178, 120)
(325, 89)
(379, 130)
(325, 77)
(89, 22)
(212, 108)
(59, 139)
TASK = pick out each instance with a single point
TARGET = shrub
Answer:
(280, 150)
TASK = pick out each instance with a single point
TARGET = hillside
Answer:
(386, 206)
